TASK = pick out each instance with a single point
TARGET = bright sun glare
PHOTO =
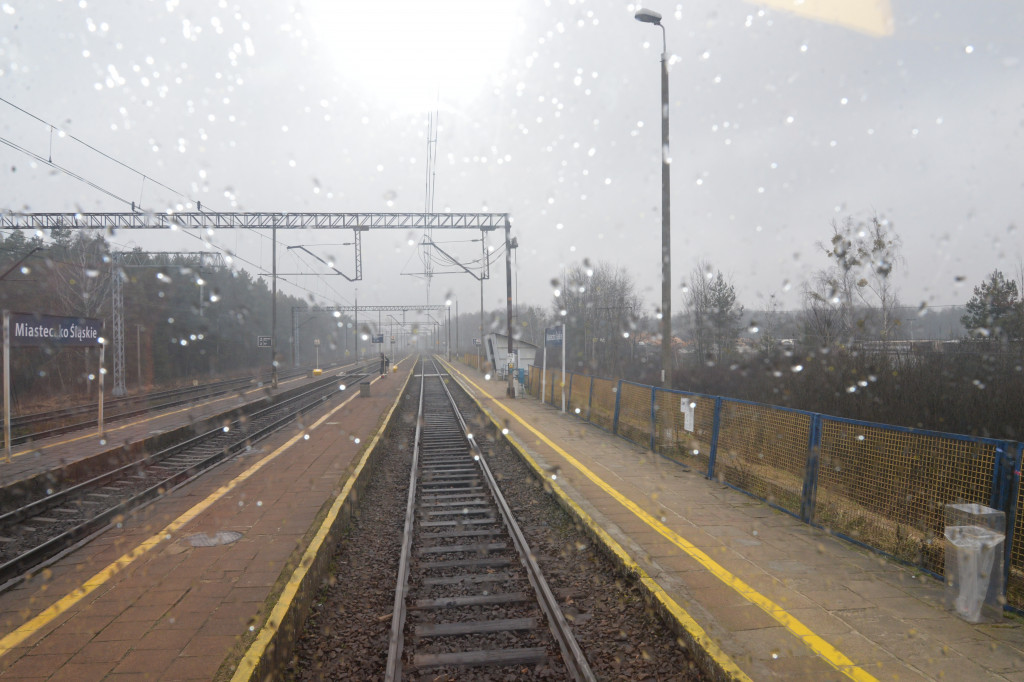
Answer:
(409, 54)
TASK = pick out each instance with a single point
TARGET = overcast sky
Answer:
(550, 111)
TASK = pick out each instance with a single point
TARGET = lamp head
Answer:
(648, 16)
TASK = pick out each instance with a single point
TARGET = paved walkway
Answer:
(782, 600)
(144, 603)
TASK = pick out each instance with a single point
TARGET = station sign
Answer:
(553, 335)
(264, 342)
(29, 329)
(378, 338)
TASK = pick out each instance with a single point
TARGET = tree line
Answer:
(182, 322)
(852, 349)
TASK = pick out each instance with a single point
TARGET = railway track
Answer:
(469, 591)
(32, 427)
(42, 530)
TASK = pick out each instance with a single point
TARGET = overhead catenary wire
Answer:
(67, 171)
(88, 146)
(144, 177)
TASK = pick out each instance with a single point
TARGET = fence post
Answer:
(715, 423)
(654, 419)
(1002, 475)
(810, 492)
(1005, 488)
(590, 397)
(615, 418)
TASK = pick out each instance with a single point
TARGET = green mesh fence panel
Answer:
(635, 413)
(534, 381)
(579, 397)
(763, 450)
(602, 410)
(1015, 581)
(887, 488)
(675, 438)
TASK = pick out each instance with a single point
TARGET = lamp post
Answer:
(448, 307)
(448, 303)
(651, 17)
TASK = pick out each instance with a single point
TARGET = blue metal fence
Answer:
(881, 486)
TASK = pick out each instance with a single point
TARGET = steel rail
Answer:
(112, 403)
(572, 654)
(183, 396)
(12, 571)
(394, 667)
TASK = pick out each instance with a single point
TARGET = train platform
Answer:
(769, 597)
(127, 435)
(182, 589)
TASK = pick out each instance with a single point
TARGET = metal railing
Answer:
(883, 487)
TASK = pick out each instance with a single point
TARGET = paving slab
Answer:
(142, 603)
(783, 600)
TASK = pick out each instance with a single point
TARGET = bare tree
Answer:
(768, 326)
(697, 292)
(530, 324)
(863, 257)
(823, 311)
(601, 311)
(83, 278)
(882, 253)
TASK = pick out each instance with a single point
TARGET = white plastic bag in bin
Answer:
(974, 572)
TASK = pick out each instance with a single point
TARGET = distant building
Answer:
(496, 352)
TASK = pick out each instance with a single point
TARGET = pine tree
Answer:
(995, 310)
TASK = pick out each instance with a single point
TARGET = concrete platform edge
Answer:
(132, 452)
(270, 651)
(713, 662)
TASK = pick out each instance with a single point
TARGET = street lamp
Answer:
(650, 17)
(449, 304)
(448, 307)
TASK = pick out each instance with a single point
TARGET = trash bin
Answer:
(975, 542)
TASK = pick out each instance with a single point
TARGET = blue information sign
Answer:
(553, 335)
(29, 329)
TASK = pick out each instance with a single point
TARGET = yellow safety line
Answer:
(817, 644)
(680, 614)
(136, 422)
(19, 635)
(247, 666)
